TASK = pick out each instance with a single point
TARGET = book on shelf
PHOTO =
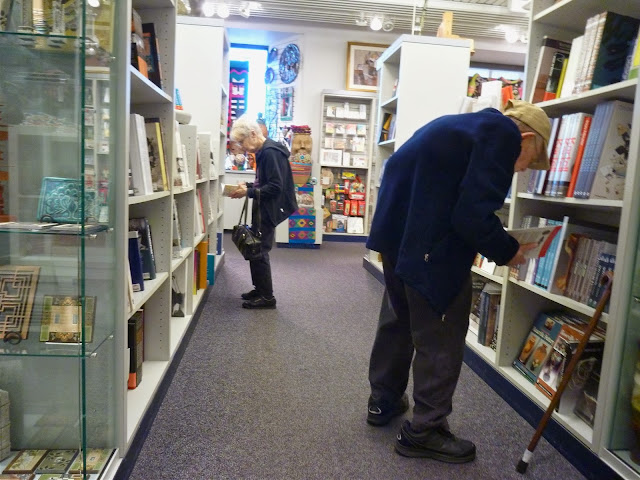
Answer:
(537, 345)
(203, 250)
(634, 63)
(549, 48)
(569, 79)
(554, 368)
(137, 44)
(541, 236)
(135, 261)
(556, 72)
(139, 157)
(96, 460)
(176, 236)
(488, 313)
(135, 342)
(603, 168)
(157, 158)
(151, 53)
(142, 226)
(615, 37)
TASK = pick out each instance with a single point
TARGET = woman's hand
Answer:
(240, 191)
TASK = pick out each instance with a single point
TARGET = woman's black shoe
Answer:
(260, 302)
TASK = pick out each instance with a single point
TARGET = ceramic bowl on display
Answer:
(269, 75)
(273, 55)
(289, 63)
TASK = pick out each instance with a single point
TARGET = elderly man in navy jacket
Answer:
(435, 211)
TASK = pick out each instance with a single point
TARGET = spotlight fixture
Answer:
(208, 9)
(223, 10)
(376, 23)
(511, 35)
(93, 3)
(387, 25)
(361, 21)
(245, 11)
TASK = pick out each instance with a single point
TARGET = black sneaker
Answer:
(250, 295)
(437, 443)
(260, 302)
(380, 414)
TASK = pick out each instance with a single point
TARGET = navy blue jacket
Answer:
(437, 200)
(275, 182)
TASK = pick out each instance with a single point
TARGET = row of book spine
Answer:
(485, 312)
(589, 154)
(574, 263)
(608, 52)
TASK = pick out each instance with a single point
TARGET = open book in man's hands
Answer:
(542, 236)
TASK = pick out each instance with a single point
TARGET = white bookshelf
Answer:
(208, 106)
(610, 438)
(163, 333)
(413, 97)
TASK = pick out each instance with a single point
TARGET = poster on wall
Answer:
(361, 65)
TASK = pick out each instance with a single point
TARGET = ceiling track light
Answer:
(223, 10)
(245, 11)
(208, 9)
(376, 23)
(387, 25)
(361, 21)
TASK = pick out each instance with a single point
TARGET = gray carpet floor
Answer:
(282, 394)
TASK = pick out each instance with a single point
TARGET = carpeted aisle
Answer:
(282, 394)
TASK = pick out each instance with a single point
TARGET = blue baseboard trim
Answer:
(347, 237)
(128, 462)
(310, 246)
(587, 462)
(373, 270)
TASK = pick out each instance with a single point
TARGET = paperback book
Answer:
(541, 236)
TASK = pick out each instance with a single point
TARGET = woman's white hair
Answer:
(243, 127)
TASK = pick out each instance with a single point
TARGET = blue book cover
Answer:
(135, 262)
(618, 36)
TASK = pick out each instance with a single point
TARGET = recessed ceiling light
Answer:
(387, 25)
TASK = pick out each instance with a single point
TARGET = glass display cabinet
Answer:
(58, 239)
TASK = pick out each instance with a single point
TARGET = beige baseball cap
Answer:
(534, 117)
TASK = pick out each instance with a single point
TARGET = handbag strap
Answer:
(245, 210)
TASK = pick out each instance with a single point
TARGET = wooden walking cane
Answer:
(607, 281)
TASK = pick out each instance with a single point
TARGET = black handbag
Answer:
(248, 242)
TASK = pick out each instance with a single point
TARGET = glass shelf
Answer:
(31, 347)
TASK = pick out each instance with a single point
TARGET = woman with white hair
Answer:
(274, 190)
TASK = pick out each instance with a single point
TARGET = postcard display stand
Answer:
(612, 436)
(408, 99)
(346, 149)
(61, 353)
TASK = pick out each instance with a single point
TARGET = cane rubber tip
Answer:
(522, 466)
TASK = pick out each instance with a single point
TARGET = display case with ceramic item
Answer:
(60, 287)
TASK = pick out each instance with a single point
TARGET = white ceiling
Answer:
(471, 18)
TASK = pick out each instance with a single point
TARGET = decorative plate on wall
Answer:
(273, 55)
(289, 63)
(269, 75)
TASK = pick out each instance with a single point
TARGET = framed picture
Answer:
(25, 462)
(361, 65)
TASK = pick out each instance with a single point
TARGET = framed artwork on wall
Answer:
(361, 65)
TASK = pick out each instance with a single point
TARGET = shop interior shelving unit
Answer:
(411, 99)
(346, 150)
(611, 437)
